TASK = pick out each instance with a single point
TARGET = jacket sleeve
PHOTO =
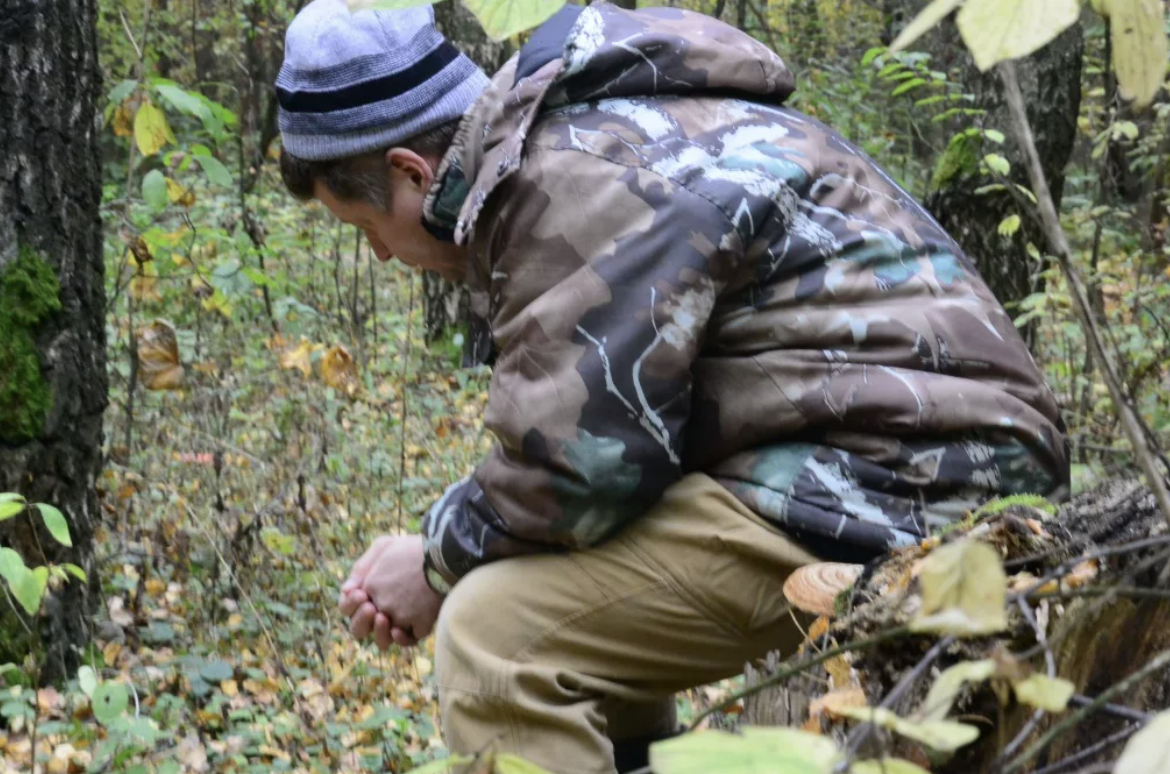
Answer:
(603, 281)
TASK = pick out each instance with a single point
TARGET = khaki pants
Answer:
(552, 656)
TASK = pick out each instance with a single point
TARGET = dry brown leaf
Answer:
(158, 357)
(339, 370)
(841, 672)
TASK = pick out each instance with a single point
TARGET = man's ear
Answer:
(408, 166)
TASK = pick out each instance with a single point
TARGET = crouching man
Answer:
(725, 344)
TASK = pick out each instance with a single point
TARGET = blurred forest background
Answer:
(277, 398)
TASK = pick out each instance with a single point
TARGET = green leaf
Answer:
(994, 135)
(443, 765)
(502, 19)
(109, 701)
(941, 735)
(181, 100)
(10, 509)
(924, 22)
(1043, 692)
(1009, 225)
(11, 566)
(887, 766)
(56, 524)
(216, 671)
(151, 131)
(963, 590)
(29, 588)
(75, 571)
(216, 172)
(872, 54)
(996, 30)
(11, 497)
(87, 680)
(1139, 47)
(1126, 129)
(513, 764)
(758, 751)
(907, 86)
(997, 163)
(154, 190)
(1147, 752)
(945, 690)
(122, 91)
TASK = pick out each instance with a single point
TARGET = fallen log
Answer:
(1087, 601)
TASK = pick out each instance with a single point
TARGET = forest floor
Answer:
(235, 503)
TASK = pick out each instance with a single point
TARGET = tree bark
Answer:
(1051, 80)
(444, 303)
(52, 347)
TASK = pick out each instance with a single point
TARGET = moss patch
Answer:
(29, 294)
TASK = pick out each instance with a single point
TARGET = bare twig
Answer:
(1131, 424)
(785, 674)
(402, 405)
(1090, 751)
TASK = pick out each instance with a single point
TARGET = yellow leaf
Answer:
(339, 370)
(941, 735)
(963, 590)
(158, 357)
(946, 688)
(218, 302)
(298, 358)
(150, 129)
(123, 121)
(144, 286)
(1044, 692)
(1139, 47)
(1009, 225)
(230, 688)
(178, 194)
(758, 749)
(926, 20)
(995, 30)
(110, 653)
(1147, 752)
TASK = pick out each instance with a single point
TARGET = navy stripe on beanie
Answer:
(367, 92)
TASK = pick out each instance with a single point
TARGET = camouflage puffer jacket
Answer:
(680, 274)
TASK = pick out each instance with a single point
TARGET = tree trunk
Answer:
(1051, 81)
(444, 303)
(52, 306)
(1097, 641)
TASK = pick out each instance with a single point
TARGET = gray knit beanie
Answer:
(354, 82)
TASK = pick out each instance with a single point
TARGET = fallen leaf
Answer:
(298, 358)
(158, 357)
(339, 370)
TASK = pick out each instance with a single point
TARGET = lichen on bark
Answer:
(29, 294)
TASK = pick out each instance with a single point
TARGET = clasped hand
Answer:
(387, 594)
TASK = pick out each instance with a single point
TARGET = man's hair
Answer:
(363, 176)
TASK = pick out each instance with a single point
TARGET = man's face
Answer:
(398, 232)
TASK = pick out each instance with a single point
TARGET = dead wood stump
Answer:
(1103, 617)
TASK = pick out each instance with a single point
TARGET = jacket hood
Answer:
(610, 52)
(593, 53)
